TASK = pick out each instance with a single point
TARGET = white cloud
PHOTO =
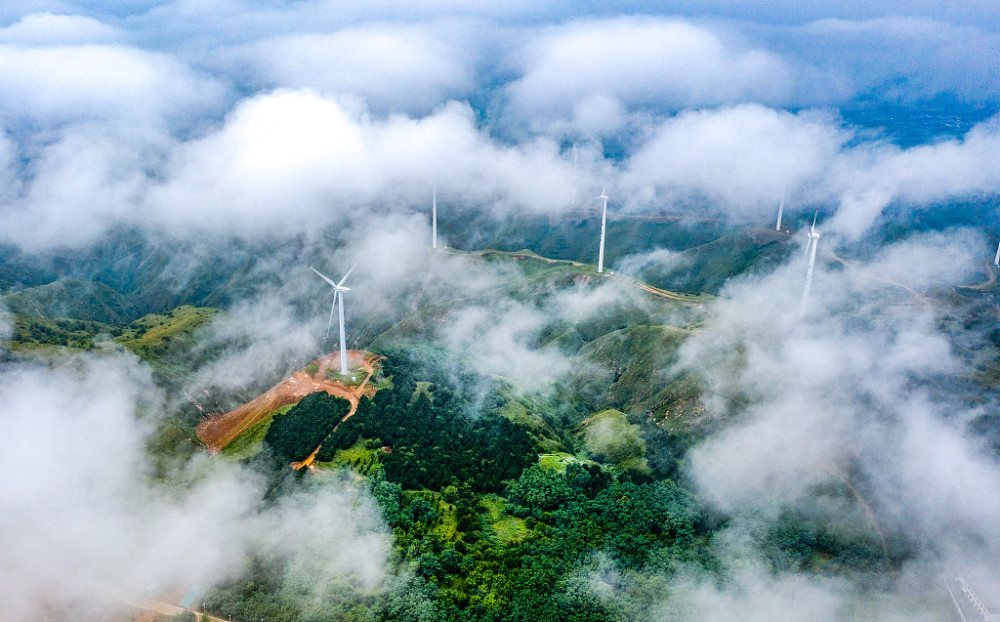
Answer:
(741, 158)
(851, 393)
(289, 159)
(50, 29)
(392, 67)
(640, 61)
(498, 340)
(60, 83)
(929, 56)
(873, 177)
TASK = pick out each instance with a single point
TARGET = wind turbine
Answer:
(434, 219)
(604, 221)
(338, 294)
(996, 260)
(781, 209)
(811, 244)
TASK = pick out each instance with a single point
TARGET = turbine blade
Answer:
(322, 276)
(348, 274)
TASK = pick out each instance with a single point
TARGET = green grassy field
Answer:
(152, 334)
(357, 456)
(74, 299)
(32, 333)
(507, 528)
(557, 461)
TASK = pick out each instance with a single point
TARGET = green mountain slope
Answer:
(74, 299)
(707, 268)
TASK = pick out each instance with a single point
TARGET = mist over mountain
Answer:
(682, 436)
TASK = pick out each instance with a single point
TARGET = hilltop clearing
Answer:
(217, 431)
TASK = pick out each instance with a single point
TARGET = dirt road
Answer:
(916, 295)
(166, 609)
(656, 291)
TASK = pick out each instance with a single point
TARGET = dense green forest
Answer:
(487, 527)
(294, 435)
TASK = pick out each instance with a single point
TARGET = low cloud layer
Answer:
(850, 393)
(744, 160)
(84, 518)
(591, 72)
(266, 120)
(399, 68)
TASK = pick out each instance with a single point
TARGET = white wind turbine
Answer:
(434, 219)
(811, 244)
(996, 260)
(604, 220)
(781, 210)
(338, 295)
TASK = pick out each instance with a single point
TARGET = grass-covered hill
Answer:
(707, 267)
(73, 299)
(574, 236)
(161, 339)
(152, 275)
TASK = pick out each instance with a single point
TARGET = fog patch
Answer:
(87, 520)
(499, 340)
(854, 393)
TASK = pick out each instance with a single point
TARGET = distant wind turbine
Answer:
(604, 220)
(574, 162)
(811, 244)
(781, 210)
(338, 295)
(996, 260)
(434, 219)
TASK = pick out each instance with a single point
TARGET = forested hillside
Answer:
(486, 526)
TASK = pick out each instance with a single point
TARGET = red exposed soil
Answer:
(217, 431)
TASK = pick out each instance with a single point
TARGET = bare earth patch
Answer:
(217, 431)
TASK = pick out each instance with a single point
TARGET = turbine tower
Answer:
(338, 295)
(811, 244)
(434, 219)
(604, 221)
(781, 209)
(996, 260)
